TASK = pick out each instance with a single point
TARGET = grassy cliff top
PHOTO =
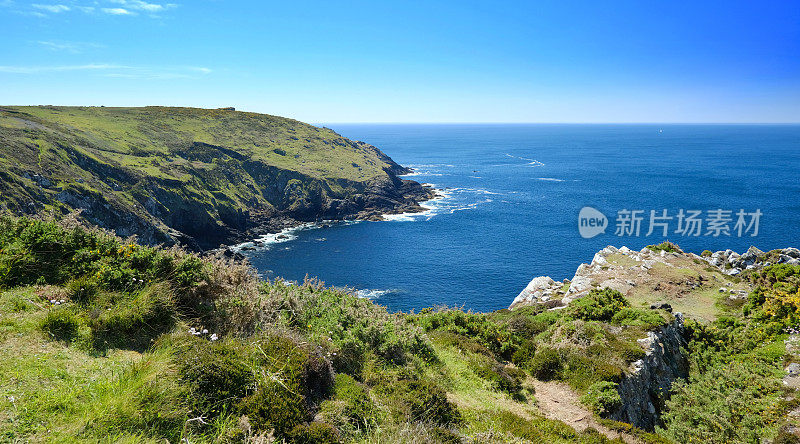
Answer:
(198, 175)
(148, 137)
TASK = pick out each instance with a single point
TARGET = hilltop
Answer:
(199, 177)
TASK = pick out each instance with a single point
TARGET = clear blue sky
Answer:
(412, 61)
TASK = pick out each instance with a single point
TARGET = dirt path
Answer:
(556, 400)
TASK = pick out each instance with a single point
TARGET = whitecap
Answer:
(374, 293)
(549, 179)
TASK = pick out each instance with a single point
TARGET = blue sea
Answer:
(512, 198)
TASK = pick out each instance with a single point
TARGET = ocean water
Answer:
(512, 197)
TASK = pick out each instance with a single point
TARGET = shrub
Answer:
(502, 378)
(61, 324)
(328, 315)
(476, 326)
(291, 381)
(82, 290)
(598, 305)
(426, 402)
(524, 353)
(315, 433)
(667, 246)
(602, 397)
(278, 406)
(218, 374)
(547, 364)
(352, 409)
(736, 402)
(706, 253)
(635, 316)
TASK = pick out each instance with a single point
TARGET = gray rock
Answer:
(661, 305)
(648, 381)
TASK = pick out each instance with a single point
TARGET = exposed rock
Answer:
(645, 388)
(535, 290)
(661, 305)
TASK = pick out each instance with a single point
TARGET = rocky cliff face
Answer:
(645, 387)
(192, 176)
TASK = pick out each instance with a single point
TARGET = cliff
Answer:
(199, 177)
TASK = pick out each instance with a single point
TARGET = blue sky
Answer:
(412, 61)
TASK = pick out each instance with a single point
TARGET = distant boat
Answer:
(660, 130)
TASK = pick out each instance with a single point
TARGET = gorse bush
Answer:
(667, 246)
(350, 325)
(738, 402)
(473, 325)
(218, 374)
(351, 409)
(598, 305)
(602, 397)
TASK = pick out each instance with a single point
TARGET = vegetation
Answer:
(199, 171)
(666, 246)
(102, 339)
(735, 392)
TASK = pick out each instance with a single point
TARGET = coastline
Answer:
(282, 229)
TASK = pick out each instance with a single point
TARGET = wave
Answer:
(374, 294)
(549, 179)
(531, 162)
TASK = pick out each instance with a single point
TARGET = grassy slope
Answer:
(107, 364)
(115, 361)
(164, 166)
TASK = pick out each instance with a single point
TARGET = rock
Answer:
(533, 291)
(661, 305)
(792, 252)
(598, 259)
(793, 369)
(722, 290)
(648, 381)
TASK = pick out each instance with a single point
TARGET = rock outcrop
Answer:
(646, 385)
(733, 263)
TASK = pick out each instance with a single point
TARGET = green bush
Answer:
(547, 364)
(602, 397)
(315, 433)
(277, 405)
(218, 374)
(351, 409)
(667, 246)
(506, 379)
(291, 381)
(426, 402)
(524, 353)
(635, 316)
(345, 322)
(82, 290)
(61, 324)
(598, 305)
(476, 326)
(706, 253)
(738, 402)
